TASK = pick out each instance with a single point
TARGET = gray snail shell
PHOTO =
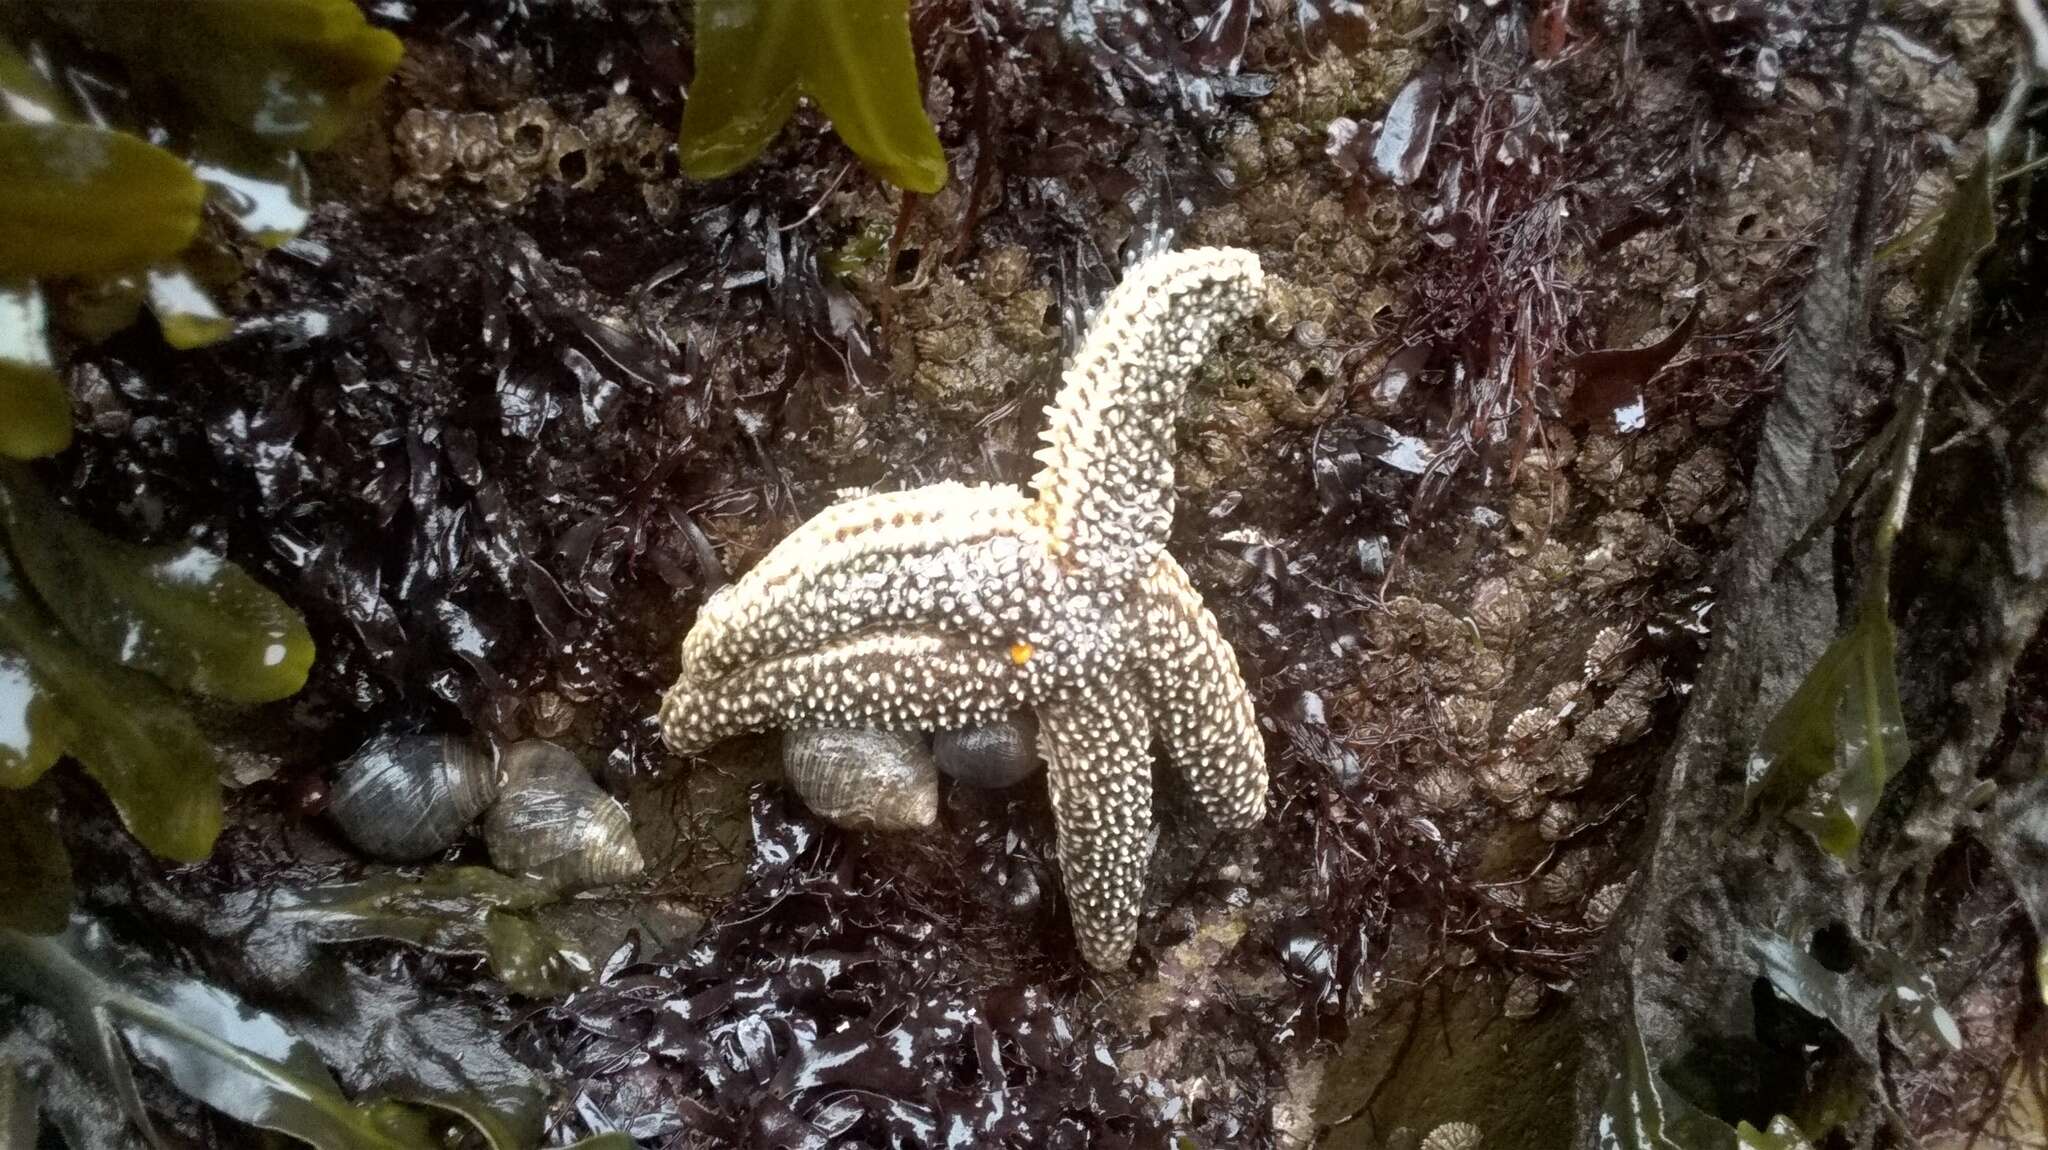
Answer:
(992, 755)
(554, 824)
(864, 779)
(403, 798)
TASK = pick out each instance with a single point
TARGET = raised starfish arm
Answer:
(948, 557)
(1199, 703)
(1098, 757)
(891, 680)
(1106, 490)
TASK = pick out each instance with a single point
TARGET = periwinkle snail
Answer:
(990, 755)
(404, 798)
(863, 779)
(554, 824)
(889, 780)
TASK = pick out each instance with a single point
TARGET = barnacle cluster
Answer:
(974, 339)
(507, 155)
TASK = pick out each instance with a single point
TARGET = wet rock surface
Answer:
(521, 397)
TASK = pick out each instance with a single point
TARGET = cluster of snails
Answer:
(889, 780)
(404, 798)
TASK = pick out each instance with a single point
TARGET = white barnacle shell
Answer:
(554, 824)
(1567, 770)
(1467, 718)
(1442, 789)
(1499, 610)
(1621, 720)
(1530, 725)
(1524, 997)
(403, 798)
(1558, 821)
(1567, 881)
(863, 779)
(1509, 779)
(1453, 1136)
(1606, 657)
(1601, 908)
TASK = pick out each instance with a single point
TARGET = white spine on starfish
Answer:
(1098, 757)
(960, 559)
(891, 680)
(1106, 490)
(1198, 701)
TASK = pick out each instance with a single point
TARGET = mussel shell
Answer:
(403, 798)
(864, 779)
(554, 824)
(992, 755)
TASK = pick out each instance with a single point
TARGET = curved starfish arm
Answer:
(892, 680)
(1199, 703)
(947, 557)
(1099, 771)
(1106, 490)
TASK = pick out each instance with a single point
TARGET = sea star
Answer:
(955, 604)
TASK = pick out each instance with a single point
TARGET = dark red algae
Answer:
(814, 1012)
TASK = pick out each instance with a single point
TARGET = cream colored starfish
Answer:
(952, 604)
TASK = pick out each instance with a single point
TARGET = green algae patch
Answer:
(77, 200)
(125, 728)
(854, 57)
(182, 613)
(35, 410)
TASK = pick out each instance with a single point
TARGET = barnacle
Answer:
(1606, 657)
(1559, 821)
(1524, 998)
(1443, 788)
(1453, 1136)
(1601, 908)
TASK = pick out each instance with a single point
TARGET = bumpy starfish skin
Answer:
(956, 604)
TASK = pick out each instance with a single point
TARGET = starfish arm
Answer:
(947, 557)
(1106, 490)
(1199, 703)
(890, 680)
(1099, 772)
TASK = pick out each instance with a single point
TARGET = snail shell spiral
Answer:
(864, 779)
(992, 755)
(403, 798)
(554, 824)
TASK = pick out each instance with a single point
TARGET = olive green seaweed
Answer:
(853, 57)
(291, 73)
(35, 410)
(1825, 758)
(448, 910)
(1844, 721)
(124, 728)
(80, 200)
(243, 1062)
(180, 613)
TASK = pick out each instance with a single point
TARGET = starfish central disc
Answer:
(955, 604)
